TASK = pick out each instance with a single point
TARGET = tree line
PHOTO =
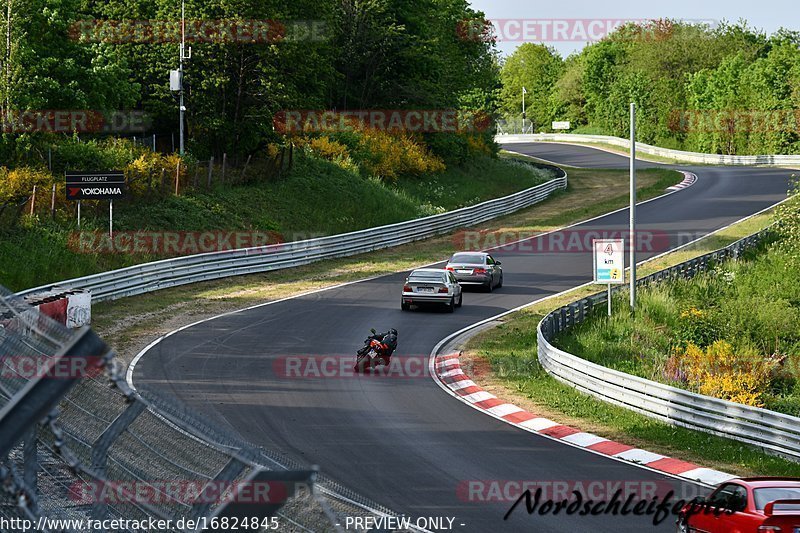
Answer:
(107, 55)
(729, 89)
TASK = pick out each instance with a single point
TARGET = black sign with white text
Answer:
(109, 185)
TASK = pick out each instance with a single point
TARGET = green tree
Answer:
(535, 67)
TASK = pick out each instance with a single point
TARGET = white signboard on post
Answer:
(609, 260)
(562, 125)
(609, 263)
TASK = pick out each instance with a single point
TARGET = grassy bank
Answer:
(504, 361)
(316, 198)
(730, 333)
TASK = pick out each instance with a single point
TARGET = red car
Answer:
(748, 505)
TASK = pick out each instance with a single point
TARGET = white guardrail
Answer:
(775, 432)
(679, 155)
(147, 277)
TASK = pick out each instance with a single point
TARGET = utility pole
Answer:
(632, 234)
(183, 55)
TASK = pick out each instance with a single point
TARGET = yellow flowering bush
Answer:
(390, 156)
(17, 184)
(692, 312)
(720, 371)
(329, 149)
(740, 388)
(155, 171)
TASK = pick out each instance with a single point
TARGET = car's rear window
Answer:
(766, 495)
(426, 276)
(468, 259)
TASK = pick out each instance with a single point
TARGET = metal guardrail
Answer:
(692, 157)
(157, 275)
(772, 431)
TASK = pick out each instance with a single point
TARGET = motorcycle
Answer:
(370, 356)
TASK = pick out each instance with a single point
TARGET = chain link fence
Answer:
(78, 446)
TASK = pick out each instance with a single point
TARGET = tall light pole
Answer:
(633, 208)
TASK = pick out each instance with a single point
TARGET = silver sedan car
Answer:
(431, 286)
(476, 268)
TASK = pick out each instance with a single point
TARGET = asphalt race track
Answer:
(404, 442)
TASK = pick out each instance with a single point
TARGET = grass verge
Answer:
(504, 361)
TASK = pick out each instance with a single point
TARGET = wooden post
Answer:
(177, 177)
(210, 168)
(224, 163)
(33, 199)
(245, 166)
(53, 202)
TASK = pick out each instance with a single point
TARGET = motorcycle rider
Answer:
(388, 342)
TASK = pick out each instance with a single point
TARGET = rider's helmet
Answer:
(393, 331)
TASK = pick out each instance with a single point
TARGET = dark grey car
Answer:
(476, 268)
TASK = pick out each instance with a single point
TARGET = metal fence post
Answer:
(104, 442)
(228, 473)
(30, 457)
(224, 164)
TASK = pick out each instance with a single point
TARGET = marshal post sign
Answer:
(109, 185)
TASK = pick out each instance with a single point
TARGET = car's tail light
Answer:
(443, 289)
(769, 529)
(407, 288)
(451, 269)
(479, 271)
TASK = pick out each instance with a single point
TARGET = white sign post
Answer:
(560, 125)
(609, 263)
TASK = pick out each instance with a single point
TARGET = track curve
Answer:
(423, 444)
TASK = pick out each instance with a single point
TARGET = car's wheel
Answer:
(500, 283)
(451, 305)
(404, 306)
(460, 300)
(488, 287)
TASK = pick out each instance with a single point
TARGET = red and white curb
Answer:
(448, 371)
(689, 179)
